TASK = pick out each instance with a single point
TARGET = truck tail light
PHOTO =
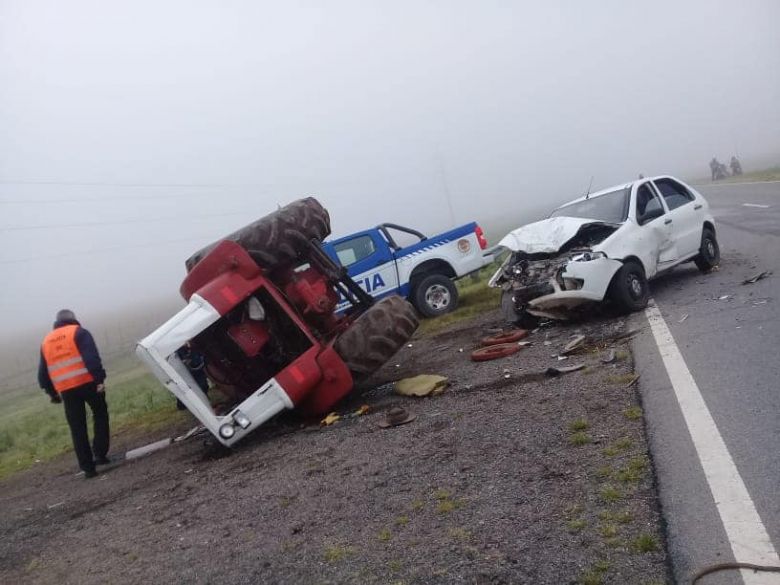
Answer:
(483, 243)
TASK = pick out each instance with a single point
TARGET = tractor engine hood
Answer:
(555, 235)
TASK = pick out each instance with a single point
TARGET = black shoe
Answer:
(102, 461)
(90, 474)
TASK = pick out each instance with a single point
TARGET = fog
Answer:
(133, 133)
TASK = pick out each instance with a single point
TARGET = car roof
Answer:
(614, 188)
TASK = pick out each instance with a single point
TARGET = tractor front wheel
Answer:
(376, 335)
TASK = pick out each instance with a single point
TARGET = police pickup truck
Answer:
(423, 272)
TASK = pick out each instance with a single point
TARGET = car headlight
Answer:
(588, 256)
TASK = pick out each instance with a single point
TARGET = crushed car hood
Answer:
(550, 236)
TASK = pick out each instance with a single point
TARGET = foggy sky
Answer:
(133, 133)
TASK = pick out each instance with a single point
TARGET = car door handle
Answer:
(667, 221)
(699, 206)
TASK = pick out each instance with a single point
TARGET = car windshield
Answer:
(611, 207)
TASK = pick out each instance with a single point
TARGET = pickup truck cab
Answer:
(423, 272)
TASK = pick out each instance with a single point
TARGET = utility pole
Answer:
(445, 186)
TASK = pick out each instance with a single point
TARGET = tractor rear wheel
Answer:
(376, 335)
(278, 238)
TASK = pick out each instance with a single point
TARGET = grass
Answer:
(576, 526)
(608, 530)
(474, 298)
(610, 494)
(645, 543)
(595, 574)
(622, 517)
(385, 535)
(402, 521)
(32, 429)
(336, 552)
(580, 438)
(633, 471)
(633, 413)
(579, 424)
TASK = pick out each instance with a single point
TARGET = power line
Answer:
(123, 222)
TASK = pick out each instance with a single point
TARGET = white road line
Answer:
(755, 205)
(747, 535)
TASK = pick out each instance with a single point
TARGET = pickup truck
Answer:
(423, 272)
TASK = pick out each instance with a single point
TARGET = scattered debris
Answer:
(362, 410)
(189, 434)
(562, 357)
(574, 345)
(493, 352)
(146, 449)
(634, 381)
(683, 318)
(506, 337)
(409, 345)
(330, 419)
(724, 298)
(757, 277)
(422, 385)
(609, 357)
(553, 372)
(57, 505)
(548, 342)
(397, 416)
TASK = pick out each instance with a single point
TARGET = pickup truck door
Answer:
(686, 220)
(369, 262)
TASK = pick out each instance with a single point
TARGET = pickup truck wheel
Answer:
(628, 289)
(515, 317)
(279, 237)
(435, 295)
(709, 251)
(376, 335)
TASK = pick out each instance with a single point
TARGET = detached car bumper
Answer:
(582, 282)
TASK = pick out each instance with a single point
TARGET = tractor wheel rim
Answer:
(437, 297)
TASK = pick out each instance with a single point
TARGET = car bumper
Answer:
(583, 282)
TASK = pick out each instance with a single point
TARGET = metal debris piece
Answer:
(553, 372)
(409, 345)
(504, 337)
(562, 357)
(330, 419)
(757, 277)
(147, 449)
(422, 385)
(362, 410)
(683, 318)
(574, 345)
(493, 352)
(609, 358)
(397, 416)
(191, 433)
(634, 381)
(724, 298)
(57, 505)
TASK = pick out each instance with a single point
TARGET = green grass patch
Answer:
(610, 494)
(580, 438)
(474, 298)
(385, 535)
(622, 517)
(576, 526)
(595, 574)
(645, 543)
(402, 521)
(608, 530)
(633, 471)
(33, 429)
(336, 552)
(633, 413)
(579, 424)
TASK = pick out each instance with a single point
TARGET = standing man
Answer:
(70, 371)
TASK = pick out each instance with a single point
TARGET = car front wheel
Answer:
(629, 290)
(709, 251)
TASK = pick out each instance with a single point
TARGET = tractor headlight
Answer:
(241, 419)
(227, 431)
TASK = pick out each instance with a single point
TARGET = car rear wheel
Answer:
(709, 252)
(435, 295)
(629, 290)
(376, 335)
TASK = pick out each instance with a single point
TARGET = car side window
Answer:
(673, 193)
(354, 250)
(648, 206)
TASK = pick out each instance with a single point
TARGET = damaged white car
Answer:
(606, 245)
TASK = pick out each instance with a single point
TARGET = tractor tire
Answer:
(280, 237)
(376, 335)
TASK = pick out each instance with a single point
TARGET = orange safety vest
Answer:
(66, 366)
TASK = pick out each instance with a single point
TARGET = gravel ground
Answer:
(484, 487)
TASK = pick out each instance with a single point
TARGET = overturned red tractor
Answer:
(262, 310)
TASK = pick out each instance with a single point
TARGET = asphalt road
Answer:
(731, 348)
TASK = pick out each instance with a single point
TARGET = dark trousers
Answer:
(75, 402)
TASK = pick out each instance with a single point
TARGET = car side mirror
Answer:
(650, 215)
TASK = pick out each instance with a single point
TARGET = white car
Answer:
(606, 245)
